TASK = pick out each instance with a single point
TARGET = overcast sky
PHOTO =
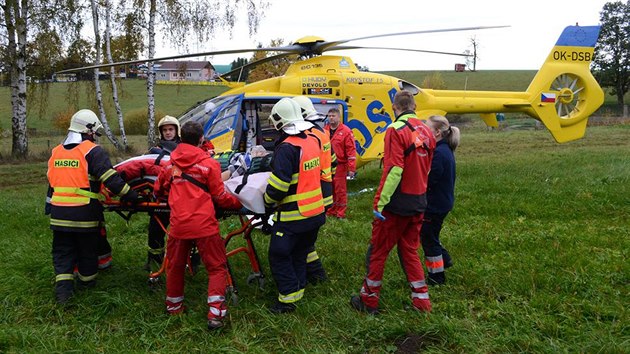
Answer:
(535, 27)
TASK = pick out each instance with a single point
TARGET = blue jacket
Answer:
(441, 186)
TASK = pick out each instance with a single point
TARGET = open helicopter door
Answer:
(250, 124)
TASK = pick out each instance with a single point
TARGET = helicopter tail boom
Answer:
(564, 93)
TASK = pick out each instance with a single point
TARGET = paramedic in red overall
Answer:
(294, 193)
(399, 205)
(194, 186)
(342, 141)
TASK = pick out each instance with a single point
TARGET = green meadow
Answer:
(539, 236)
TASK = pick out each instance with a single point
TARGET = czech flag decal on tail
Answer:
(548, 97)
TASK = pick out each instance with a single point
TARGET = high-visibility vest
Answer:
(326, 159)
(68, 176)
(309, 193)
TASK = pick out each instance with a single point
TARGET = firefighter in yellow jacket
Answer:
(294, 193)
(76, 170)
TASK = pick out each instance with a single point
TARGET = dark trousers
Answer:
(156, 238)
(314, 267)
(436, 256)
(68, 249)
(287, 260)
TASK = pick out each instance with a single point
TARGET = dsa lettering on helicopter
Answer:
(572, 56)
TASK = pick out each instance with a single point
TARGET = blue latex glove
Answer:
(378, 215)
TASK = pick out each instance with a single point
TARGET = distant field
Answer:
(48, 100)
(60, 97)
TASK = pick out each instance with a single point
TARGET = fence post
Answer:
(625, 111)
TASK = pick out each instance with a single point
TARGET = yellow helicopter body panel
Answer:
(562, 95)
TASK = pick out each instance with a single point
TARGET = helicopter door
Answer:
(250, 124)
(268, 134)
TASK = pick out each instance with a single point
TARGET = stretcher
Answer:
(248, 222)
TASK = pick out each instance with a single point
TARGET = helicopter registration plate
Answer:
(320, 91)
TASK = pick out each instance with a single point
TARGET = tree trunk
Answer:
(620, 94)
(15, 17)
(112, 72)
(97, 84)
(151, 76)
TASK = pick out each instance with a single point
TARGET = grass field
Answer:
(539, 236)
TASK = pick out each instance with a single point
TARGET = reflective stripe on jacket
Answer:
(326, 164)
(68, 175)
(76, 173)
(309, 193)
(295, 183)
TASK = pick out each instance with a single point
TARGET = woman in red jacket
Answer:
(193, 183)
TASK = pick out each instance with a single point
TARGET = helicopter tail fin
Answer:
(564, 93)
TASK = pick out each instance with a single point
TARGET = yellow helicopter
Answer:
(562, 95)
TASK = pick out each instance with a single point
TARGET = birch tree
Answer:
(17, 18)
(15, 21)
(180, 21)
(112, 75)
(97, 85)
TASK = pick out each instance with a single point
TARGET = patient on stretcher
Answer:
(244, 174)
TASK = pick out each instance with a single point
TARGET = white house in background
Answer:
(184, 70)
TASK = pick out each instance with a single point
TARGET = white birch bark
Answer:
(112, 75)
(151, 76)
(97, 85)
(15, 18)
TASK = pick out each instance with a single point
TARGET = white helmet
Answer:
(85, 121)
(168, 120)
(286, 115)
(308, 110)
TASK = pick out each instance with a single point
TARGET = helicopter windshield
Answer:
(205, 112)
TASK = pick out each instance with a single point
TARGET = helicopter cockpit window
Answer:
(408, 86)
(204, 112)
(224, 119)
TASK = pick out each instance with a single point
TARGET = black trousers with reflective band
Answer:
(70, 249)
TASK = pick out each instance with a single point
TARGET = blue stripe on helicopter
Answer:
(579, 36)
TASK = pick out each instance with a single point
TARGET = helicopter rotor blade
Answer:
(257, 62)
(322, 47)
(292, 49)
(400, 49)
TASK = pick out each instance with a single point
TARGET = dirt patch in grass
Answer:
(415, 342)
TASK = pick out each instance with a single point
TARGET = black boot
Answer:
(282, 307)
(359, 305)
(438, 278)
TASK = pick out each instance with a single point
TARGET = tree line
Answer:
(39, 37)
